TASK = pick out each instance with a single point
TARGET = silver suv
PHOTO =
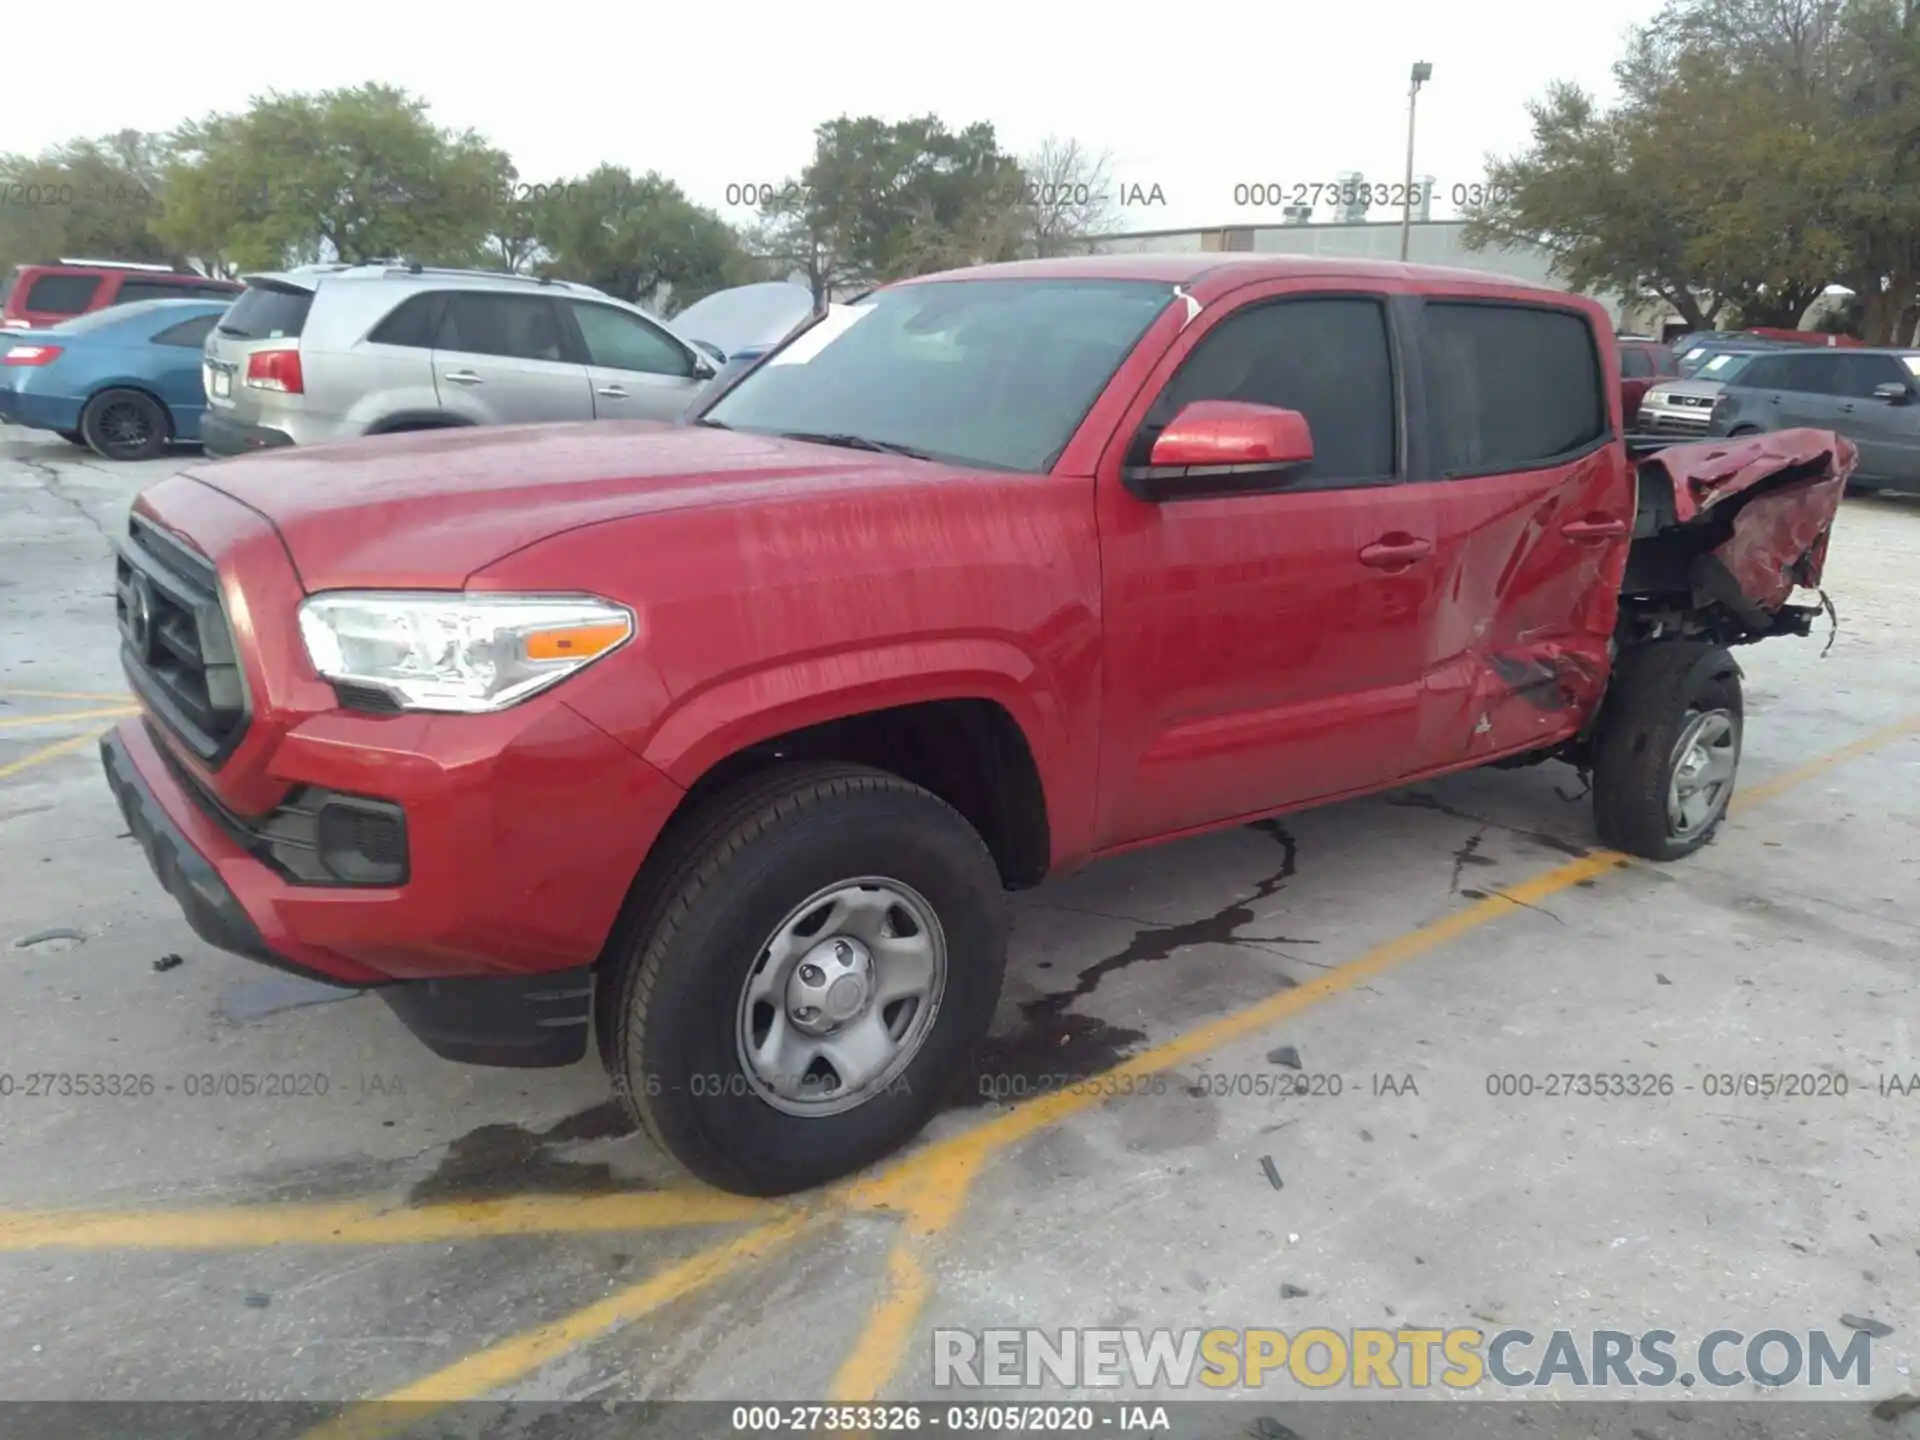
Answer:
(324, 352)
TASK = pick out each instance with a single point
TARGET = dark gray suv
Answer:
(1870, 396)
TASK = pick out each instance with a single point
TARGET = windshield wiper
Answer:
(855, 442)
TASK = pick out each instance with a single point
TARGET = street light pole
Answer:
(1422, 72)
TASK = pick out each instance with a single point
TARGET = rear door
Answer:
(1266, 648)
(1533, 523)
(1886, 432)
(1804, 393)
(639, 372)
(502, 359)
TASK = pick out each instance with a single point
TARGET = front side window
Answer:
(1858, 376)
(1511, 387)
(994, 373)
(620, 341)
(1328, 358)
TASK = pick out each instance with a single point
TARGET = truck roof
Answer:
(1239, 268)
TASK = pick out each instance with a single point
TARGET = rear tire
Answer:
(1666, 753)
(762, 956)
(125, 425)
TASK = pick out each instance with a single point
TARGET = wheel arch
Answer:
(402, 420)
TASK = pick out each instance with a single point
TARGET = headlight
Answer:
(1656, 397)
(464, 653)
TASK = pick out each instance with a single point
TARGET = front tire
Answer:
(125, 425)
(1666, 752)
(816, 955)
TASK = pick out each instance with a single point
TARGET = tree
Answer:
(93, 198)
(640, 239)
(354, 175)
(881, 201)
(1762, 149)
(1067, 198)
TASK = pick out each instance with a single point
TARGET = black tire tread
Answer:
(699, 852)
(1639, 726)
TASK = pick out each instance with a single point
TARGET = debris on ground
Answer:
(1273, 1174)
(1878, 1329)
(167, 962)
(1292, 1292)
(42, 937)
(1661, 979)
(1286, 1055)
(257, 1301)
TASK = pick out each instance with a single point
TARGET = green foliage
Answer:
(637, 238)
(1761, 151)
(350, 174)
(90, 198)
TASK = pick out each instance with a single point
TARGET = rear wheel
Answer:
(125, 425)
(815, 956)
(1667, 749)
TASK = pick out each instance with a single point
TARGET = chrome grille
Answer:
(175, 644)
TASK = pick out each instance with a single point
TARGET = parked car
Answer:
(1685, 406)
(739, 325)
(1696, 351)
(720, 741)
(1642, 361)
(1866, 395)
(124, 382)
(330, 352)
(34, 297)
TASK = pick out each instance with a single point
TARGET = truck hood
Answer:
(426, 510)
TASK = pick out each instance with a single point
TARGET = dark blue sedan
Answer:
(124, 381)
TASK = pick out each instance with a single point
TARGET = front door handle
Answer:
(1395, 551)
(612, 392)
(462, 377)
(1596, 527)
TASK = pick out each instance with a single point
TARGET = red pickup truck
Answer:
(722, 741)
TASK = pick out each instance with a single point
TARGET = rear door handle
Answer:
(462, 377)
(612, 392)
(1395, 551)
(1594, 528)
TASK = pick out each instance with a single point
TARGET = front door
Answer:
(1266, 649)
(1886, 432)
(639, 372)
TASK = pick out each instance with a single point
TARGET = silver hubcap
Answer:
(843, 997)
(1704, 761)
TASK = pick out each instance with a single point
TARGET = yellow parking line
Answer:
(119, 697)
(929, 1187)
(66, 715)
(358, 1223)
(50, 752)
(503, 1363)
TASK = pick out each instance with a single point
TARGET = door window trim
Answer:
(1608, 434)
(1392, 329)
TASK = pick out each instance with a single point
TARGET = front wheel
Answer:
(817, 955)
(125, 425)
(1667, 748)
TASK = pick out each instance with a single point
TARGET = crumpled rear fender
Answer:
(1767, 501)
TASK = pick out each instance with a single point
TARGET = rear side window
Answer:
(1326, 358)
(411, 323)
(1636, 364)
(517, 327)
(1510, 387)
(190, 333)
(267, 312)
(62, 294)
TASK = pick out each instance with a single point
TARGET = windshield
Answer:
(996, 373)
(1723, 367)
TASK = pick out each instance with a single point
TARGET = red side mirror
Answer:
(1227, 432)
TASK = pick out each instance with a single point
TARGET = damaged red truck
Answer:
(721, 742)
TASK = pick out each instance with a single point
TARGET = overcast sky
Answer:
(1193, 99)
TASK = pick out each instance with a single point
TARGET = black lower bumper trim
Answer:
(212, 909)
(221, 437)
(520, 1021)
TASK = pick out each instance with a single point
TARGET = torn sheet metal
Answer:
(1779, 536)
